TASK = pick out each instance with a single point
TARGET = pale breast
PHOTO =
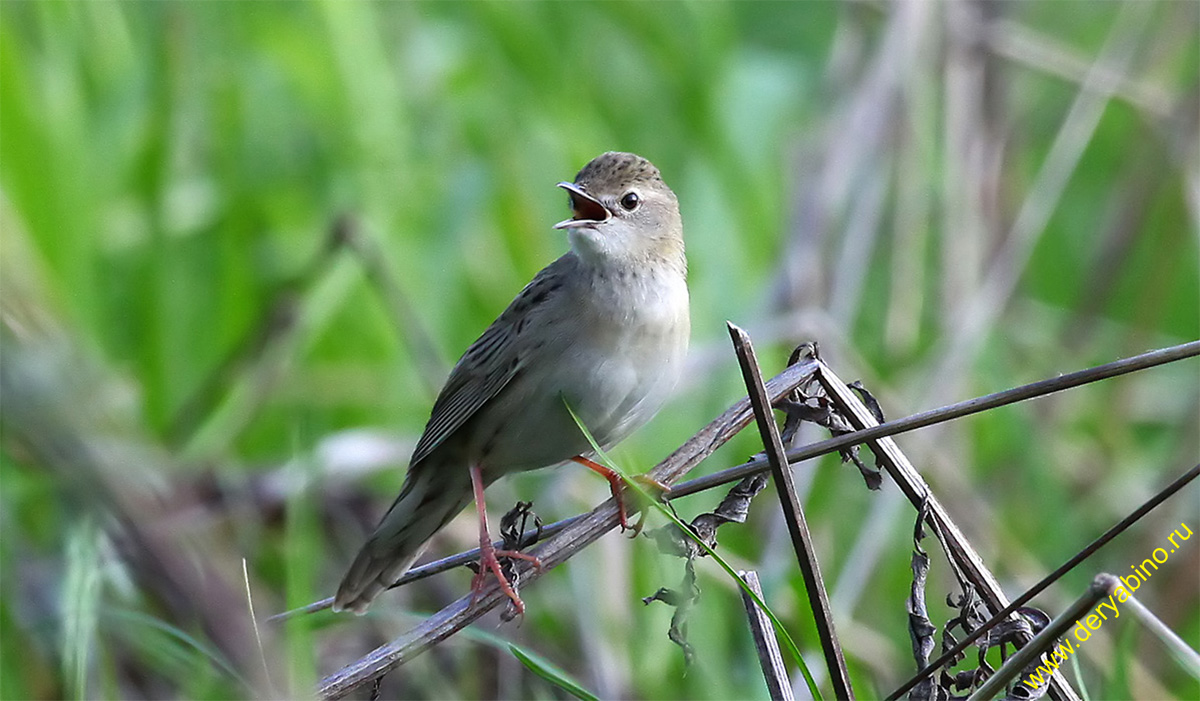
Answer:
(614, 353)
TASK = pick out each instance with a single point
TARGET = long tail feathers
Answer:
(427, 502)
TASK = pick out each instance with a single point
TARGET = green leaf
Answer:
(81, 606)
(548, 671)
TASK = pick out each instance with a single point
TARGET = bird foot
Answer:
(617, 486)
(489, 556)
(489, 564)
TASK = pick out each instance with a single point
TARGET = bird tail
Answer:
(427, 501)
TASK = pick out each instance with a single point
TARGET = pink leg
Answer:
(488, 560)
(617, 486)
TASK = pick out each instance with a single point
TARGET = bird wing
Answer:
(491, 362)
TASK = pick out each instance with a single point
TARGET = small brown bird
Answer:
(604, 329)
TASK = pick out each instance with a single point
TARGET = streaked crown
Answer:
(615, 169)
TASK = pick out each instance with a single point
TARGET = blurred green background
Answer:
(952, 198)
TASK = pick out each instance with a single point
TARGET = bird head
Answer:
(623, 213)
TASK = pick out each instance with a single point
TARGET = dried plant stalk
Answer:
(793, 513)
(914, 488)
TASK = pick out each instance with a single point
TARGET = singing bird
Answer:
(604, 328)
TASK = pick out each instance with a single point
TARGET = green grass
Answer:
(169, 173)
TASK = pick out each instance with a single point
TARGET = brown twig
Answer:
(956, 545)
(953, 411)
(532, 535)
(779, 687)
(793, 514)
(1097, 590)
(1054, 576)
(554, 551)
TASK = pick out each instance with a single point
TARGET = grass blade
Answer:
(548, 671)
(790, 644)
(81, 599)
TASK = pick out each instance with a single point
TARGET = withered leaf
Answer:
(683, 600)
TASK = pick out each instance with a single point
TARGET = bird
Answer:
(604, 329)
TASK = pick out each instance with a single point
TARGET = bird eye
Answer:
(630, 201)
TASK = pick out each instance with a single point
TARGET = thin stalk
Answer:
(686, 530)
(1043, 641)
(1049, 579)
(793, 513)
(943, 414)
(779, 687)
(910, 423)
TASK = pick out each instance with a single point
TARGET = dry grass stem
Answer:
(779, 686)
(1054, 576)
(793, 513)
(1042, 642)
(943, 414)
(891, 428)
(956, 545)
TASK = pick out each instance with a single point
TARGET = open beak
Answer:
(586, 209)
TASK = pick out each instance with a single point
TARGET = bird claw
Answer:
(489, 564)
(637, 527)
(650, 484)
(617, 486)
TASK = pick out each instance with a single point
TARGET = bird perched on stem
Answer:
(603, 329)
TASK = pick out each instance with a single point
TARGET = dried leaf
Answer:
(972, 614)
(816, 408)
(1031, 622)
(734, 508)
(683, 599)
(920, 629)
(868, 400)
(515, 523)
